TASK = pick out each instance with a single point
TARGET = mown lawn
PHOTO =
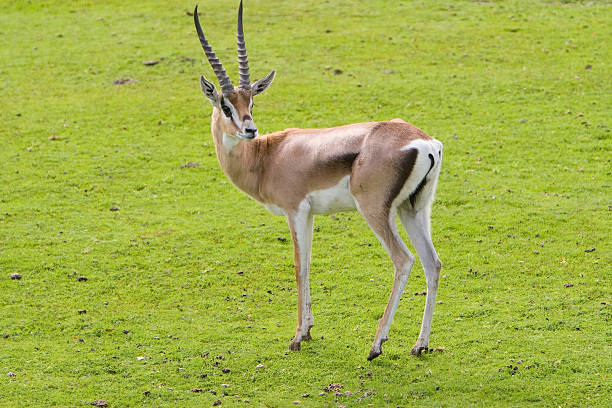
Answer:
(186, 276)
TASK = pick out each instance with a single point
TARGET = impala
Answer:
(381, 169)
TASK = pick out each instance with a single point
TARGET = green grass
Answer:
(192, 269)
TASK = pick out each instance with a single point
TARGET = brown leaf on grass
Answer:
(99, 403)
(191, 165)
(568, 284)
(150, 63)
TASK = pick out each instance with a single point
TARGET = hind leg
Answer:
(417, 225)
(382, 223)
(382, 177)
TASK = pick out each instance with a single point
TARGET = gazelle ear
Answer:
(209, 90)
(261, 85)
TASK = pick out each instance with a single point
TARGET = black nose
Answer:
(251, 131)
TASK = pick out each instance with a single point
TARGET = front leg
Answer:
(300, 224)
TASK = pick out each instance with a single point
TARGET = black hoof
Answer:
(295, 346)
(416, 351)
(374, 354)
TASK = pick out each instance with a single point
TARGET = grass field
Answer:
(189, 290)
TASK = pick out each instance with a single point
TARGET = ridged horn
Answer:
(224, 81)
(243, 60)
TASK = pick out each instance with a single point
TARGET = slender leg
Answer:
(382, 223)
(417, 225)
(300, 224)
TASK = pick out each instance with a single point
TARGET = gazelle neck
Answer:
(237, 158)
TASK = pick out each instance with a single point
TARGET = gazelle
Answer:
(381, 169)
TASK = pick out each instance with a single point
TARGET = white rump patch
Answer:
(422, 168)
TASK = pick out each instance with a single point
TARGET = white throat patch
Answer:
(230, 141)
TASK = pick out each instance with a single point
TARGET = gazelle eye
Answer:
(226, 111)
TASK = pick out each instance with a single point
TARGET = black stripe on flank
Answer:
(342, 160)
(417, 190)
(404, 168)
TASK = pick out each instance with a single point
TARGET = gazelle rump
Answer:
(381, 169)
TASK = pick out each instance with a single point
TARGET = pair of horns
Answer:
(243, 60)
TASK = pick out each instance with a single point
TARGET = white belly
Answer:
(274, 209)
(334, 199)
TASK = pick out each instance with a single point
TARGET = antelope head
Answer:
(234, 103)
